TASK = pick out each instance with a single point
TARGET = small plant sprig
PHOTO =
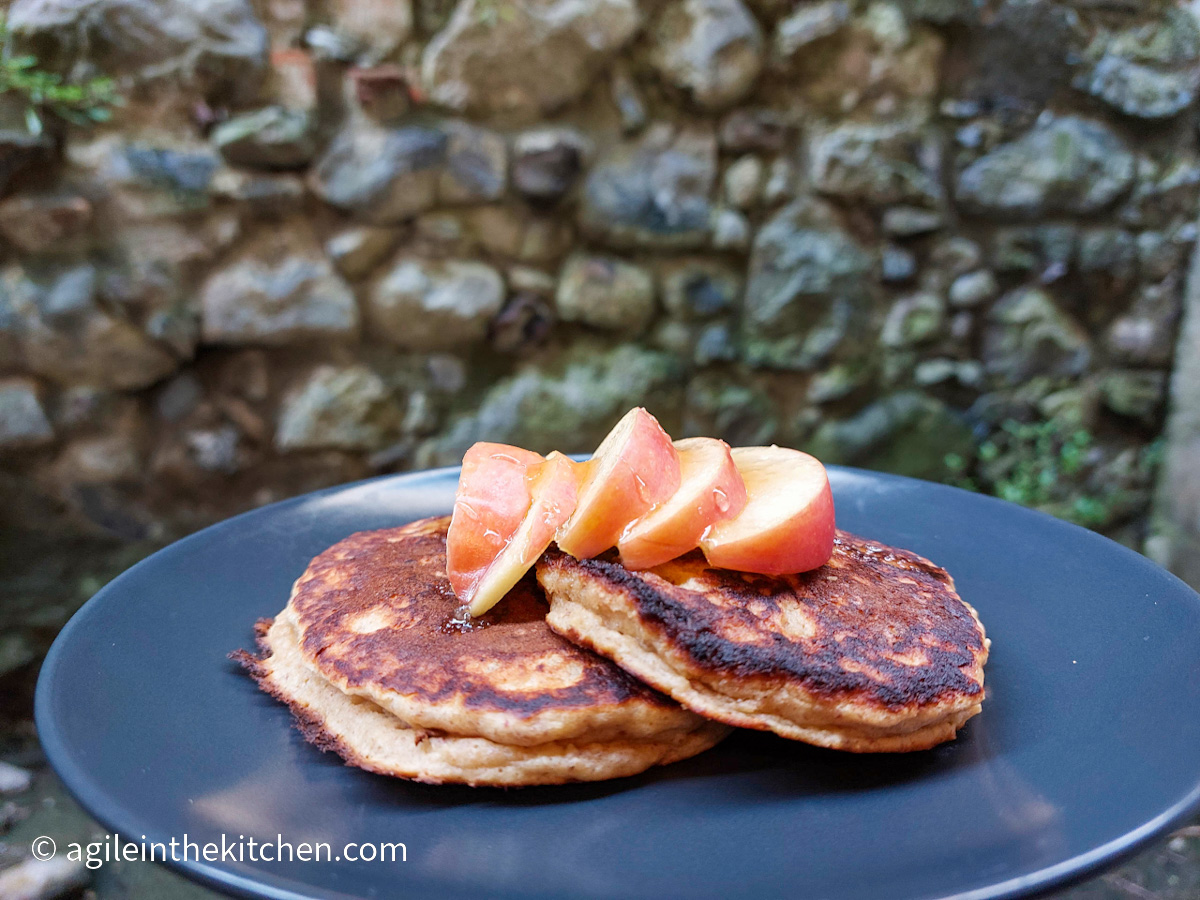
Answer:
(80, 103)
(491, 12)
(1051, 466)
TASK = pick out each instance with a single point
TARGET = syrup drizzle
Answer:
(461, 621)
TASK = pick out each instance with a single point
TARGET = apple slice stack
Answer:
(756, 509)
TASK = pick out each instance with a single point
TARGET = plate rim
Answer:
(117, 818)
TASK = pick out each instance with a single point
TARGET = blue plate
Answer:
(1088, 744)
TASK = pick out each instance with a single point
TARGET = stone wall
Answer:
(325, 239)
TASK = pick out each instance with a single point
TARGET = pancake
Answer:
(873, 652)
(372, 657)
(367, 736)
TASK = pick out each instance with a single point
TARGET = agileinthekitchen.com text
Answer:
(113, 848)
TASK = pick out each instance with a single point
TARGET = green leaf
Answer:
(43, 92)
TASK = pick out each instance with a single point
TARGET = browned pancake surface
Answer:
(873, 652)
(877, 623)
(376, 614)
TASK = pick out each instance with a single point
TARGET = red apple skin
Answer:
(710, 490)
(490, 504)
(635, 467)
(553, 486)
(787, 525)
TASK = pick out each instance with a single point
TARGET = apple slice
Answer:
(554, 487)
(787, 525)
(491, 502)
(485, 562)
(710, 490)
(635, 467)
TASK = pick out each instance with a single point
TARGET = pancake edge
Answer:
(574, 614)
(335, 721)
(638, 718)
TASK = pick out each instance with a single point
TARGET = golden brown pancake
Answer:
(875, 651)
(373, 658)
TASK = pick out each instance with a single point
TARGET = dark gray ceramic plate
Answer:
(1088, 744)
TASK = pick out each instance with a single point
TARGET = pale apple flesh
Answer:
(710, 491)
(491, 502)
(554, 486)
(787, 525)
(635, 467)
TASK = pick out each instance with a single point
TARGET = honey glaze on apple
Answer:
(710, 490)
(766, 510)
(721, 501)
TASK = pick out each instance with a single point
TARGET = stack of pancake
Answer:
(377, 663)
(610, 672)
